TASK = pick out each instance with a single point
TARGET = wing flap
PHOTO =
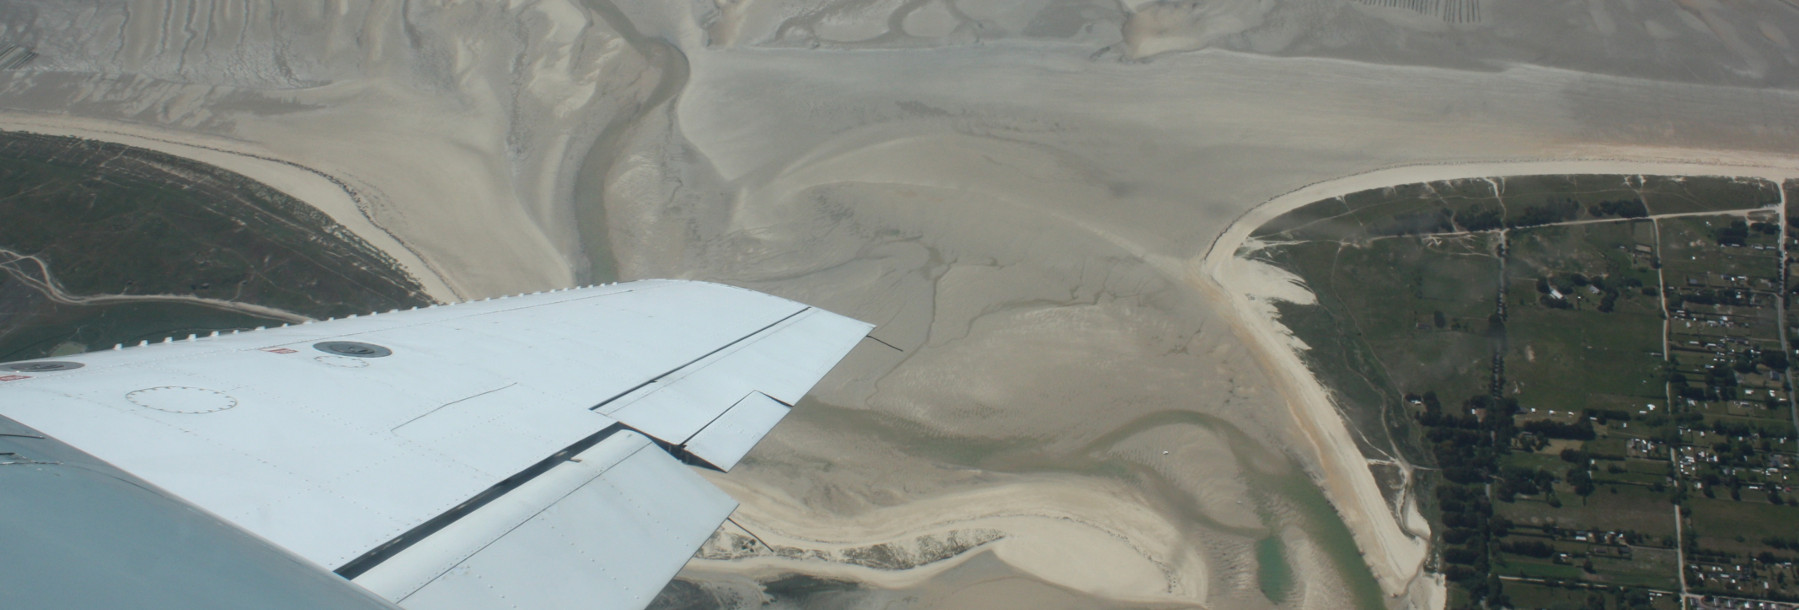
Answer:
(727, 439)
(782, 362)
(603, 530)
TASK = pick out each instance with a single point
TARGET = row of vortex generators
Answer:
(1451, 11)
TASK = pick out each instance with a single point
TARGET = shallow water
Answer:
(589, 194)
(1273, 574)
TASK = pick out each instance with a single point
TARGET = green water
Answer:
(1286, 496)
(1320, 522)
(1273, 574)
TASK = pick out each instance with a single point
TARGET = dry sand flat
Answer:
(1027, 217)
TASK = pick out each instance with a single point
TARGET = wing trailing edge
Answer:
(460, 456)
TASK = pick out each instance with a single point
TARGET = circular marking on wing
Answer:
(353, 349)
(348, 363)
(42, 366)
(182, 399)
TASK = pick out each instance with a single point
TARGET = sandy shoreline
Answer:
(1393, 549)
(1134, 551)
(309, 186)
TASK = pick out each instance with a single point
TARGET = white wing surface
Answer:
(520, 452)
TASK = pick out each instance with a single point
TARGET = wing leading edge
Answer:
(511, 451)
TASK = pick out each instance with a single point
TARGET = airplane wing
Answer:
(529, 451)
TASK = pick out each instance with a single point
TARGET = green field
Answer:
(1527, 595)
(1683, 194)
(1565, 465)
(1690, 251)
(1481, 203)
(1431, 321)
(1720, 522)
(1631, 508)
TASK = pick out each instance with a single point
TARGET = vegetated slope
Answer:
(86, 219)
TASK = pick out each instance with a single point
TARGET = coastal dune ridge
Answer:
(1395, 536)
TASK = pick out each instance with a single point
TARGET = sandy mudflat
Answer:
(1129, 556)
(1038, 202)
(457, 131)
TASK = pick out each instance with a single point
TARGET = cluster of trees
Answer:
(1467, 448)
(1578, 431)
(1529, 548)
(1771, 358)
(1763, 431)
(1623, 208)
(1548, 213)
(1579, 476)
(1721, 381)
(1480, 218)
(1735, 234)
(1603, 416)
(1711, 481)
(1781, 543)
(1712, 296)
(1567, 283)
(1518, 480)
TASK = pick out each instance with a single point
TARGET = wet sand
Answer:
(1033, 217)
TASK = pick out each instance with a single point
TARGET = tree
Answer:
(1774, 359)
(1582, 480)
(1734, 235)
